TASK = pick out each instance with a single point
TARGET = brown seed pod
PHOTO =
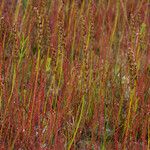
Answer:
(2, 26)
(54, 56)
(91, 23)
(47, 33)
(40, 32)
(86, 53)
(61, 32)
(39, 28)
(132, 68)
(133, 28)
(83, 33)
(15, 43)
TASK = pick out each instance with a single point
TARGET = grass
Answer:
(74, 74)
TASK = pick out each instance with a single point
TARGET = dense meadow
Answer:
(74, 75)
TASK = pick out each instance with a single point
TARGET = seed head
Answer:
(132, 68)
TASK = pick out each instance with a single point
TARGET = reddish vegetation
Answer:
(74, 74)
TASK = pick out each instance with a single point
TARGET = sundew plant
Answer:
(74, 74)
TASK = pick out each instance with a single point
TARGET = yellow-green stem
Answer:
(78, 123)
